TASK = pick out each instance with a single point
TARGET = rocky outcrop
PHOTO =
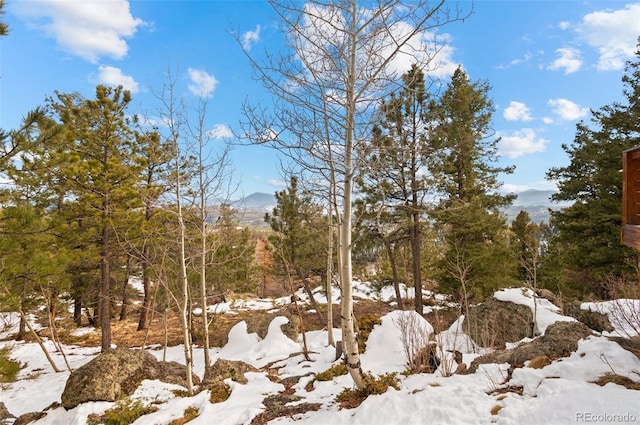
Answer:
(560, 340)
(494, 323)
(117, 373)
(223, 369)
(5, 415)
(595, 320)
(30, 417)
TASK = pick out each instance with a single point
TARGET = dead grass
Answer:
(495, 409)
(125, 333)
(612, 378)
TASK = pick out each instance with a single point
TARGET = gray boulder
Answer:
(493, 323)
(116, 373)
(560, 340)
(223, 369)
(595, 320)
(5, 415)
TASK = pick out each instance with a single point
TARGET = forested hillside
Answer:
(391, 177)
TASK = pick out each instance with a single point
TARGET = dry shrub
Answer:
(190, 413)
(613, 378)
(624, 309)
(351, 398)
(415, 335)
(497, 408)
(335, 370)
(220, 391)
(124, 412)
(539, 362)
(365, 324)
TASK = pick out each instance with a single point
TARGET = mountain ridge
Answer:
(536, 202)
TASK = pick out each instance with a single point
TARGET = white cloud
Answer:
(569, 59)
(423, 47)
(89, 29)
(567, 110)
(111, 76)
(202, 84)
(564, 25)
(220, 131)
(520, 143)
(613, 33)
(526, 58)
(517, 111)
(547, 120)
(323, 28)
(251, 37)
(537, 185)
(277, 183)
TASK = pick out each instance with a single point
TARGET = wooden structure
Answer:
(631, 198)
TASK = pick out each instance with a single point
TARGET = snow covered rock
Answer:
(117, 373)
(560, 340)
(494, 323)
(224, 369)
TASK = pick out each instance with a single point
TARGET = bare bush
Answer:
(623, 311)
(415, 333)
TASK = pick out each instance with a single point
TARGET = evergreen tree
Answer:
(100, 165)
(393, 177)
(231, 262)
(299, 225)
(477, 259)
(4, 28)
(588, 236)
(525, 241)
(33, 262)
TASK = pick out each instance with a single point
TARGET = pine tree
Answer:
(231, 262)
(525, 241)
(299, 225)
(100, 165)
(4, 28)
(33, 261)
(589, 230)
(477, 259)
(393, 178)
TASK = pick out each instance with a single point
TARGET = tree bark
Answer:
(104, 296)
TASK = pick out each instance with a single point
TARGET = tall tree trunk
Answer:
(184, 282)
(350, 343)
(394, 273)
(146, 285)
(415, 256)
(184, 316)
(329, 277)
(203, 273)
(23, 323)
(77, 309)
(104, 296)
(146, 278)
(125, 290)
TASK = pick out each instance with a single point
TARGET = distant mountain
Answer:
(257, 202)
(251, 208)
(536, 202)
(534, 197)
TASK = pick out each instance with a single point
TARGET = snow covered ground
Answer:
(560, 393)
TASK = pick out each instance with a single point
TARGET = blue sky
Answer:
(548, 63)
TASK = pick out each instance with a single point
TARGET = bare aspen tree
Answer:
(340, 59)
(212, 178)
(171, 113)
